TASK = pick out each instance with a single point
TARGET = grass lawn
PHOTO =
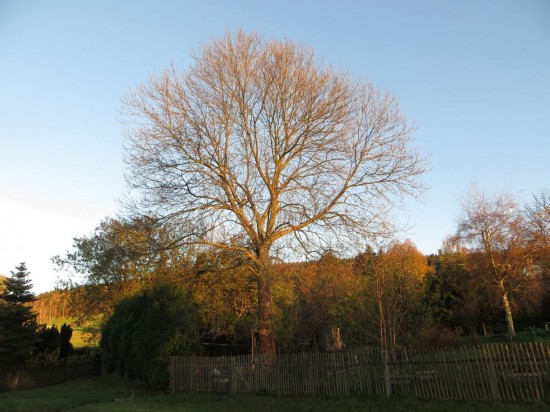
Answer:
(104, 394)
(63, 397)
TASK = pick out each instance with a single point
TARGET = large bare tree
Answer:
(262, 142)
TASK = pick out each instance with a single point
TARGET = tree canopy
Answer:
(117, 260)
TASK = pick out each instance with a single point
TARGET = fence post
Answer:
(387, 376)
(492, 374)
(172, 374)
(232, 375)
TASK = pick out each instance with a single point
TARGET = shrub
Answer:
(65, 345)
(147, 328)
(47, 339)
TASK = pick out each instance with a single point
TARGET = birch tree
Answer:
(260, 140)
(537, 214)
(495, 230)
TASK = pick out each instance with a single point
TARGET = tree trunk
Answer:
(266, 334)
(383, 336)
(508, 312)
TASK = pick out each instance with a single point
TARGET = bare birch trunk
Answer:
(508, 312)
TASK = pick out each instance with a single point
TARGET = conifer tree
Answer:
(18, 328)
(65, 345)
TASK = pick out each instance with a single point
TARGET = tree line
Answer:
(390, 296)
(128, 280)
(51, 305)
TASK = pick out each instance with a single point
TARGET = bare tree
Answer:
(538, 217)
(394, 288)
(496, 230)
(537, 214)
(260, 141)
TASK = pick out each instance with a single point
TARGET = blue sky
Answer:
(473, 75)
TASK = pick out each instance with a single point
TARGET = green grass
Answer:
(103, 394)
(65, 396)
(78, 339)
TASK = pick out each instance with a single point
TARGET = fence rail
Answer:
(29, 377)
(512, 372)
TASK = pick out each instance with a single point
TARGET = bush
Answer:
(145, 329)
(65, 345)
(47, 340)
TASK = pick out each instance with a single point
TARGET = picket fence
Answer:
(29, 377)
(510, 372)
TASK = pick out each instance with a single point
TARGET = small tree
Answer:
(395, 287)
(17, 320)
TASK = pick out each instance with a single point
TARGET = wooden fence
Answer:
(512, 372)
(28, 377)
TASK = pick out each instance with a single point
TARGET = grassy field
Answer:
(78, 331)
(104, 394)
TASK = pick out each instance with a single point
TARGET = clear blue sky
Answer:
(473, 75)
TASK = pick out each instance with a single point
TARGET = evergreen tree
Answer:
(65, 345)
(18, 326)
